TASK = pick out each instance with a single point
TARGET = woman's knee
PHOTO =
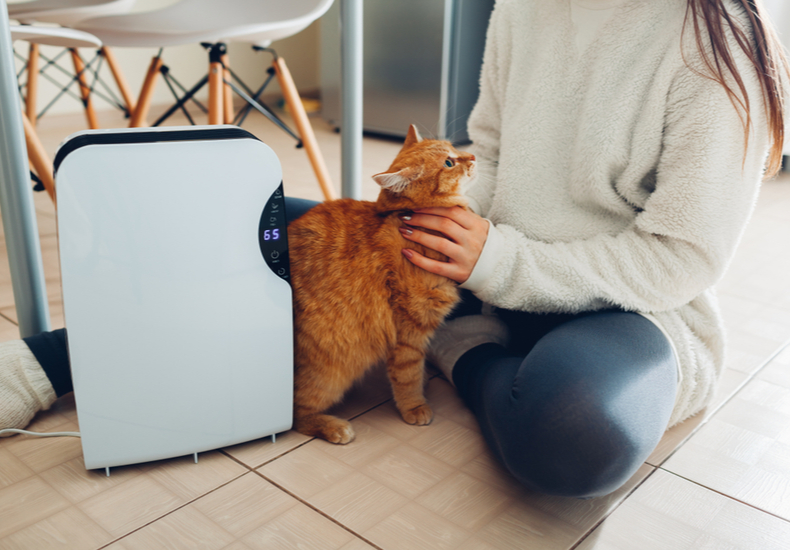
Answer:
(572, 448)
(588, 405)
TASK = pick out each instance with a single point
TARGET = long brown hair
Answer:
(763, 49)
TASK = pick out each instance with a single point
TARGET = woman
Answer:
(621, 145)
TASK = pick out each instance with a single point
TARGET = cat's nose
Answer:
(471, 157)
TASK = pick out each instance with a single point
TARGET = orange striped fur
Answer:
(358, 301)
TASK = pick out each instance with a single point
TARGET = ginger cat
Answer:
(358, 301)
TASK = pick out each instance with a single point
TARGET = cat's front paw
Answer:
(338, 431)
(421, 415)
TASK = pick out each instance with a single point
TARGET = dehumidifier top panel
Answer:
(178, 312)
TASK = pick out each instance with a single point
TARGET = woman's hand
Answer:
(464, 234)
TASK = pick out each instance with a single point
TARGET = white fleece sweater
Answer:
(614, 177)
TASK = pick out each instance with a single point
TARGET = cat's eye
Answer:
(449, 163)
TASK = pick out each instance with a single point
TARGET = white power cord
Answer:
(39, 434)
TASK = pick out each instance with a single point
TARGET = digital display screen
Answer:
(271, 235)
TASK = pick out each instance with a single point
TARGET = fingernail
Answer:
(406, 217)
(406, 230)
(408, 253)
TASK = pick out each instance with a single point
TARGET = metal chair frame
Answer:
(91, 68)
(252, 98)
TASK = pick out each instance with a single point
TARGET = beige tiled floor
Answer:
(718, 481)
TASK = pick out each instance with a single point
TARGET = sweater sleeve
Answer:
(679, 244)
(485, 119)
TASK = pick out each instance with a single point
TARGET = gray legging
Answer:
(576, 403)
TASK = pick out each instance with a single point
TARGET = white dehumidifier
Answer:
(176, 293)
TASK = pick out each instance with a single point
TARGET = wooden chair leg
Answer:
(120, 80)
(140, 114)
(216, 94)
(85, 91)
(228, 91)
(32, 83)
(38, 158)
(304, 128)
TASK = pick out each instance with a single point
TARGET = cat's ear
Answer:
(396, 182)
(413, 136)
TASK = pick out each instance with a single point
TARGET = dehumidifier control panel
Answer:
(273, 237)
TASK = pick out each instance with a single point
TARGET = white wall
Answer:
(779, 12)
(188, 64)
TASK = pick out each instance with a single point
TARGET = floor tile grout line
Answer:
(725, 495)
(278, 457)
(8, 318)
(324, 514)
(614, 509)
(52, 488)
(749, 378)
(660, 466)
(236, 460)
(289, 451)
(250, 469)
(255, 470)
(174, 510)
(656, 469)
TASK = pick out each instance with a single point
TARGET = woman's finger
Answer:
(436, 267)
(434, 242)
(434, 222)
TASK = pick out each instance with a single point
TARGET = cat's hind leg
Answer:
(406, 371)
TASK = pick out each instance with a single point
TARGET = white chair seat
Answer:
(66, 12)
(54, 36)
(258, 22)
(190, 21)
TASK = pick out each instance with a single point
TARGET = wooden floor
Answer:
(718, 481)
